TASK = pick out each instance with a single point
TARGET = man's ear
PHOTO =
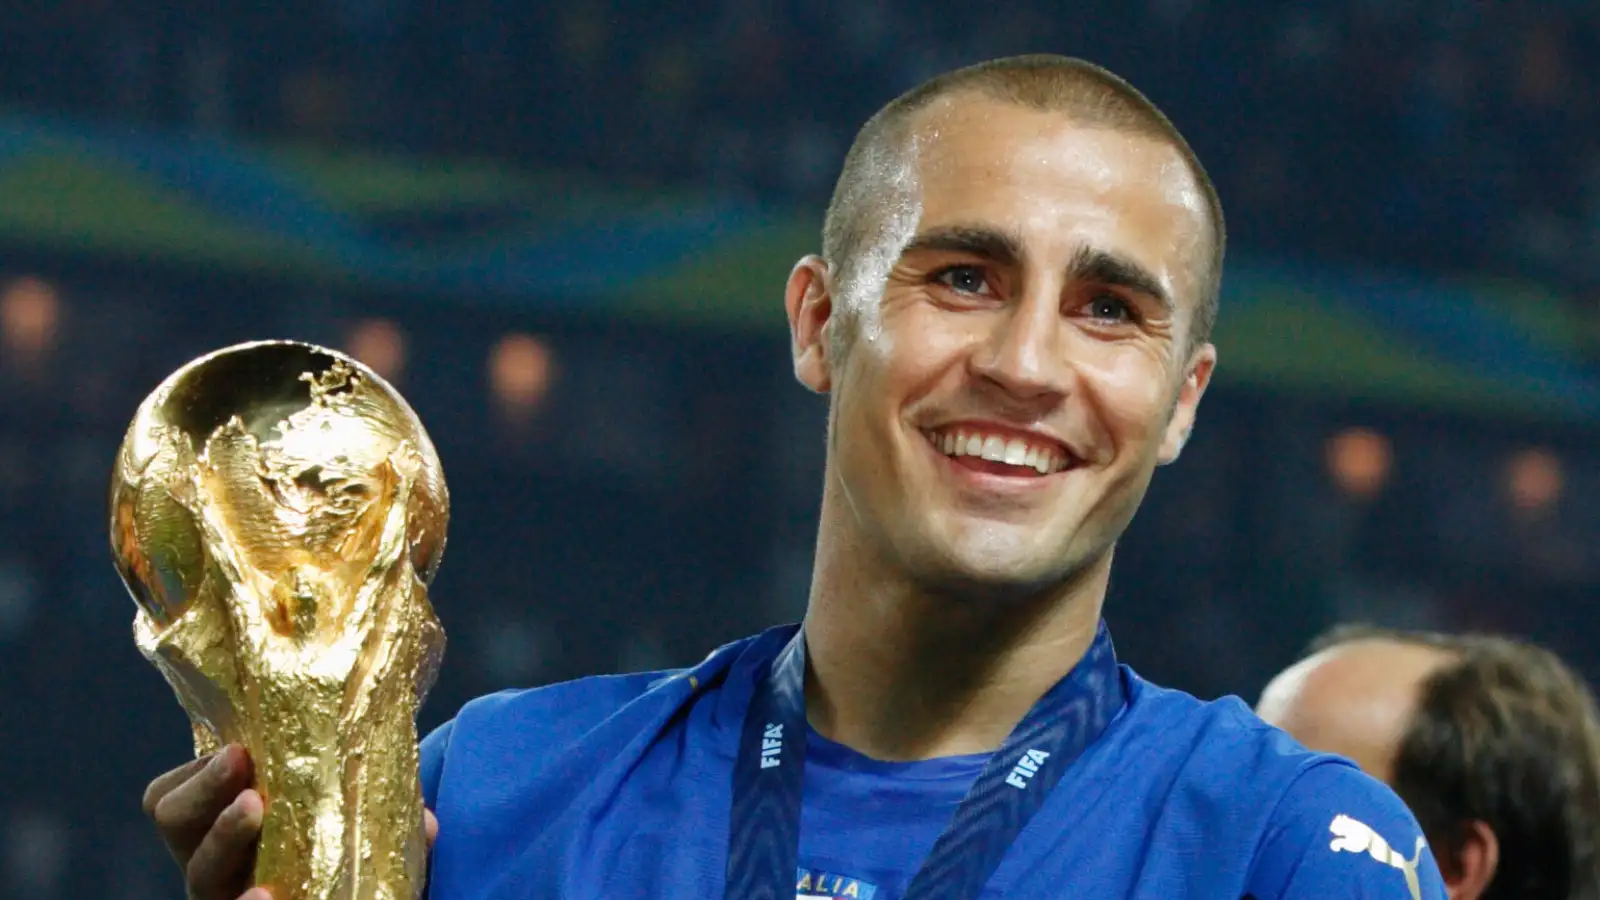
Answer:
(1470, 870)
(808, 299)
(1201, 363)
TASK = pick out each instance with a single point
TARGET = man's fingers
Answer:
(221, 864)
(167, 781)
(186, 813)
(430, 825)
(256, 893)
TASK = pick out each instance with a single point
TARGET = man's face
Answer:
(1009, 391)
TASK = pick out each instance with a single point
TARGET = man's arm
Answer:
(432, 754)
(1338, 834)
(431, 770)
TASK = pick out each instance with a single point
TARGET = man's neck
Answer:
(896, 673)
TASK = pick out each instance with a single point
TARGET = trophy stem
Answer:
(344, 823)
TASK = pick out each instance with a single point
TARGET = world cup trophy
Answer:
(277, 513)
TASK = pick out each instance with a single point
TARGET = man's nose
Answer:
(1023, 353)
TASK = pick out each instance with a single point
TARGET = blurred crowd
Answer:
(1425, 132)
(625, 497)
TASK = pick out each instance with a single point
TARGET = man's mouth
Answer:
(1001, 454)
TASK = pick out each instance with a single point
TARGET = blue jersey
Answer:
(621, 787)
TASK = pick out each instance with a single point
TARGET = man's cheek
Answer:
(1137, 407)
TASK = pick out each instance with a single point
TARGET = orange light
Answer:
(1359, 460)
(520, 371)
(30, 315)
(381, 345)
(1534, 479)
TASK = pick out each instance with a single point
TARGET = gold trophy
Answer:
(277, 512)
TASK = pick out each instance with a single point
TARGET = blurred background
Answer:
(563, 229)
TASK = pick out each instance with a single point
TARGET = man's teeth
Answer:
(1015, 452)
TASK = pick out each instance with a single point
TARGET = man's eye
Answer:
(966, 279)
(1111, 308)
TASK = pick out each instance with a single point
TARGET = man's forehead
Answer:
(966, 145)
(970, 130)
(1060, 189)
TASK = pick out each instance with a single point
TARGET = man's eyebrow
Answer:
(991, 244)
(1005, 248)
(1102, 267)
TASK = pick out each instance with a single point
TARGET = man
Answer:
(1011, 317)
(1494, 743)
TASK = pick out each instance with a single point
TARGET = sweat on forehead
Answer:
(875, 208)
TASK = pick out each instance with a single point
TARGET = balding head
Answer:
(1494, 743)
(1354, 699)
(874, 206)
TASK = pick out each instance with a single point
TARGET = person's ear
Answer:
(1181, 425)
(1470, 870)
(808, 300)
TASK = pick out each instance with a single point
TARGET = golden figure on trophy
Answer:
(277, 512)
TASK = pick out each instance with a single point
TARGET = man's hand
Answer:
(210, 819)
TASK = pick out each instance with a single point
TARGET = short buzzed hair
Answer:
(1506, 734)
(1084, 92)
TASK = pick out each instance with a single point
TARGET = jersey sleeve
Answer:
(432, 767)
(1338, 834)
(432, 770)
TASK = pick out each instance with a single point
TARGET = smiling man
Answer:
(1011, 318)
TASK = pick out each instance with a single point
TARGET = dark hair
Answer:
(1079, 89)
(1506, 734)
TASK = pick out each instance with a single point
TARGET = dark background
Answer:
(631, 490)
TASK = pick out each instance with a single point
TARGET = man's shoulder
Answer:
(1319, 826)
(563, 706)
(586, 715)
(1339, 832)
(1220, 749)
(1223, 736)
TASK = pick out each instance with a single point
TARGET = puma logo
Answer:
(1351, 836)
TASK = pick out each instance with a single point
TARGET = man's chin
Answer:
(1000, 577)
